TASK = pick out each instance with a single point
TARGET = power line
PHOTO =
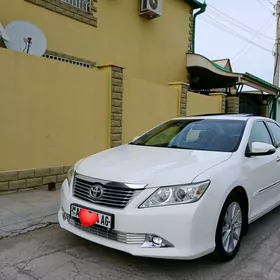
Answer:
(270, 3)
(236, 22)
(219, 25)
(264, 5)
(254, 33)
(247, 46)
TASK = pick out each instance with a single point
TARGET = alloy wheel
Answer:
(232, 227)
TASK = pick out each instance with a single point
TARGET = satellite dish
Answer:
(3, 33)
(25, 37)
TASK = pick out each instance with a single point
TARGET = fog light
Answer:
(64, 215)
(154, 241)
(157, 240)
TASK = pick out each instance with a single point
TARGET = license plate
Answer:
(104, 220)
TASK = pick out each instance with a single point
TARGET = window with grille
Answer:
(84, 5)
(68, 60)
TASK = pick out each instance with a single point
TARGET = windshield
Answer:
(195, 134)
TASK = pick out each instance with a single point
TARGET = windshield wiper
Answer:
(175, 146)
(132, 143)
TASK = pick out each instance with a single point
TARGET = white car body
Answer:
(189, 227)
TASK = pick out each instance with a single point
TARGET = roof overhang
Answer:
(206, 74)
(252, 81)
(194, 4)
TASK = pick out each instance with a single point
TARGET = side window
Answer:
(259, 133)
(275, 129)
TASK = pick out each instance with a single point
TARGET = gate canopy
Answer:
(206, 75)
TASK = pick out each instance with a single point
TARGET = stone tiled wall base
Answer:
(31, 178)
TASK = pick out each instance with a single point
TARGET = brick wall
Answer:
(31, 178)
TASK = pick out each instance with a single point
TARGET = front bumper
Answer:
(187, 228)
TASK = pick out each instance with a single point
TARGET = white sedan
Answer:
(184, 189)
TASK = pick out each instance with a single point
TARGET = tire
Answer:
(227, 250)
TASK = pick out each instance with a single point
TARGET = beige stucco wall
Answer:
(202, 104)
(146, 104)
(51, 113)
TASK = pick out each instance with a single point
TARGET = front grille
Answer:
(128, 238)
(114, 195)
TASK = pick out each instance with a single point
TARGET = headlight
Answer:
(174, 195)
(70, 175)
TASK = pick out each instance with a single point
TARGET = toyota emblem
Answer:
(96, 192)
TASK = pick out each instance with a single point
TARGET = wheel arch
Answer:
(241, 192)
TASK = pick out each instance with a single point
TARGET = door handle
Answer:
(278, 159)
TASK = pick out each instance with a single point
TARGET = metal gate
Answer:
(249, 105)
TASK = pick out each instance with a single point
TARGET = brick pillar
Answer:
(232, 105)
(182, 97)
(224, 103)
(190, 40)
(115, 74)
(264, 109)
(116, 105)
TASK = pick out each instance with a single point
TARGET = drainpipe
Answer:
(202, 10)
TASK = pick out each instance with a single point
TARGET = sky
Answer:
(227, 26)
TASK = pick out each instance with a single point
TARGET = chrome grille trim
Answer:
(127, 238)
(115, 195)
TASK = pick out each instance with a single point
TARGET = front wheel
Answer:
(230, 228)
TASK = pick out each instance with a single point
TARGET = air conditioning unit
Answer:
(151, 8)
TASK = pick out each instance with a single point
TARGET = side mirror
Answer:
(135, 138)
(261, 149)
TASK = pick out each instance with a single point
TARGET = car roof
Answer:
(243, 117)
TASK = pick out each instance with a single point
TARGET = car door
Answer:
(274, 129)
(260, 172)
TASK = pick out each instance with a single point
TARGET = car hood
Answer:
(149, 165)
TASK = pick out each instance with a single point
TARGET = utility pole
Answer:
(275, 106)
(277, 46)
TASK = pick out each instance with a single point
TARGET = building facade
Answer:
(112, 32)
(108, 75)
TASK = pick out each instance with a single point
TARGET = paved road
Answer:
(54, 254)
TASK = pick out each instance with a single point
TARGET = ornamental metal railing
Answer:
(84, 5)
